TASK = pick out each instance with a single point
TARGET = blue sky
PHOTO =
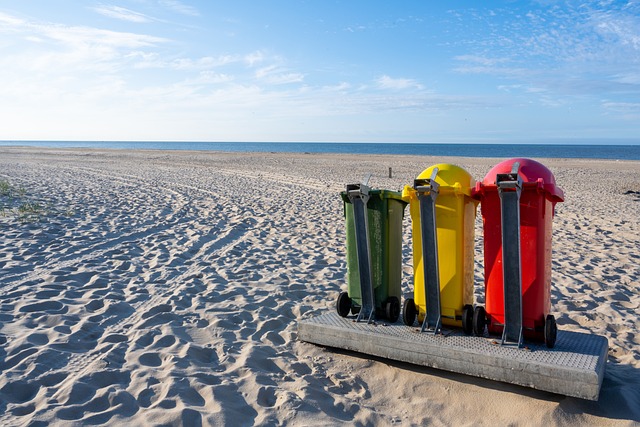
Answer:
(360, 70)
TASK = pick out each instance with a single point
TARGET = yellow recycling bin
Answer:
(443, 220)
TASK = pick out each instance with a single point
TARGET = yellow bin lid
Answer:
(451, 176)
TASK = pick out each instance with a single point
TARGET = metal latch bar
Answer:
(427, 191)
(358, 195)
(509, 190)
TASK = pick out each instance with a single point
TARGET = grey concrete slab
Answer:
(574, 367)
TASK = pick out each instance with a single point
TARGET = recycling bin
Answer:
(374, 253)
(518, 198)
(443, 220)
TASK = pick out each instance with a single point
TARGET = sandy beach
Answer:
(158, 287)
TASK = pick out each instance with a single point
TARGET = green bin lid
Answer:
(377, 192)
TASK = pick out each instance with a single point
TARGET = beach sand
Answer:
(156, 287)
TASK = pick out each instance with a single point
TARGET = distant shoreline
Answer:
(360, 157)
(555, 151)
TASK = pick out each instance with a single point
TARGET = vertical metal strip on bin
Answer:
(510, 189)
(427, 190)
(359, 196)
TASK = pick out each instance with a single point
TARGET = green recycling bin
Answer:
(374, 253)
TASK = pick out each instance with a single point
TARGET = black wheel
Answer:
(392, 309)
(467, 319)
(343, 304)
(409, 312)
(479, 321)
(550, 331)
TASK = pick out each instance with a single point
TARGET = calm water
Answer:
(616, 152)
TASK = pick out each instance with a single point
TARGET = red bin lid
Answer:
(529, 171)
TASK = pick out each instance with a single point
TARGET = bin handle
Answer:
(515, 168)
(427, 185)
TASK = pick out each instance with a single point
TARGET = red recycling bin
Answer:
(538, 195)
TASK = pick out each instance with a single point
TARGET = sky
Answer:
(320, 71)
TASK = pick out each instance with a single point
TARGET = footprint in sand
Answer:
(51, 307)
(145, 398)
(20, 411)
(19, 391)
(150, 359)
(267, 396)
(95, 305)
(38, 339)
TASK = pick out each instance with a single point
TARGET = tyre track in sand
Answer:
(83, 363)
(151, 312)
(84, 254)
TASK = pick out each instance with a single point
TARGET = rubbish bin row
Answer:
(517, 199)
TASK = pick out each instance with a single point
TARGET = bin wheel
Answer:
(479, 321)
(550, 331)
(409, 312)
(467, 319)
(392, 309)
(343, 304)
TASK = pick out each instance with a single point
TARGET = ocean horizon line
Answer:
(559, 141)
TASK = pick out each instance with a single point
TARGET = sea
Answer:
(573, 151)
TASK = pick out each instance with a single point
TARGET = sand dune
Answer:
(158, 287)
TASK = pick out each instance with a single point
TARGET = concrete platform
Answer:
(574, 367)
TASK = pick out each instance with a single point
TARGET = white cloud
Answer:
(57, 49)
(145, 59)
(342, 86)
(10, 21)
(84, 36)
(630, 78)
(510, 88)
(481, 60)
(77, 35)
(254, 58)
(122, 14)
(627, 110)
(274, 74)
(180, 7)
(355, 28)
(285, 78)
(624, 29)
(386, 82)
(211, 77)
(572, 49)
(475, 64)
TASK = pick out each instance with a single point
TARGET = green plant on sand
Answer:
(15, 204)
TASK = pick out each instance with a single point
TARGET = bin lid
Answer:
(529, 171)
(451, 176)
